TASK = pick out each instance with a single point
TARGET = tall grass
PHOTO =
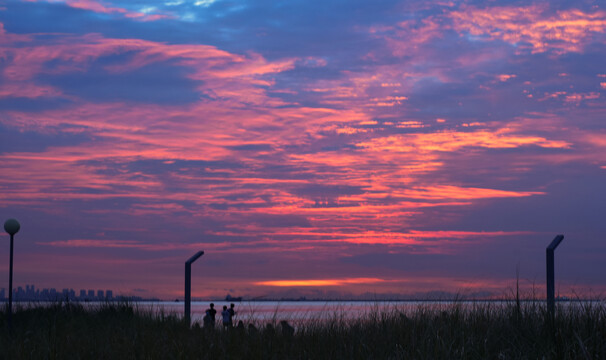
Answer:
(519, 330)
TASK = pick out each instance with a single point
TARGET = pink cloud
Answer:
(333, 240)
(565, 31)
(100, 7)
(94, 243)
(408, 36)
(224, 74)
(9, 38)
(28, 90)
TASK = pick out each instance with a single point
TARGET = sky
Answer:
(328, 149)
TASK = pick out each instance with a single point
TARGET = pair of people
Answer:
(227, 316)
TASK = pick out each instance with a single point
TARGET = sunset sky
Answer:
(322, 148)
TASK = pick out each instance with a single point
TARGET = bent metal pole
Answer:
(187, 315)
(550, 272)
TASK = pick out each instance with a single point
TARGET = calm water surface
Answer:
(260, 312)
(300, 312)
(293, 311)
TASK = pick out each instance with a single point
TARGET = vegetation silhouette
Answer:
(480, 331)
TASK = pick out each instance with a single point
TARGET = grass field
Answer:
(482, 331)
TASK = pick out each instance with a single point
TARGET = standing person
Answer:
(232, 313)
(226, 317)
(209, 318)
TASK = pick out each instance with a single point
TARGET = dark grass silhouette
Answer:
(483, 331)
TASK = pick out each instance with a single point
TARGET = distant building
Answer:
(30, 293)
(45, 295)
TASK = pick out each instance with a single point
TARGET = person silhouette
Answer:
(232, 313)
(226, 317)
(209, 318)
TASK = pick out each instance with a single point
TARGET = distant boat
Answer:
(233, 298)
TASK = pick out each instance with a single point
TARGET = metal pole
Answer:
(187, 296)
(11, 226)
(10, 288)
(187, 292)
(550, 272)
(550, 281)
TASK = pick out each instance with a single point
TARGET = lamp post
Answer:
(188, 285)
(11, 226)
(550, 272)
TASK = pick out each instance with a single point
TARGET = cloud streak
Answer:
(532, 27)
(102, 8)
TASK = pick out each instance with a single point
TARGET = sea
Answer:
(300, 312)
(260, 312)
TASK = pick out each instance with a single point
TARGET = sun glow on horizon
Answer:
(319, 282)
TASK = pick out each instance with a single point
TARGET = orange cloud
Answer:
(570, 97)
(454, 140)
(505, 77)
(455, 192)
(578, 97)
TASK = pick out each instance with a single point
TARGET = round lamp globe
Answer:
(11, 226)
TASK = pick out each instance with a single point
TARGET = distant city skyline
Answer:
(31, 293)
